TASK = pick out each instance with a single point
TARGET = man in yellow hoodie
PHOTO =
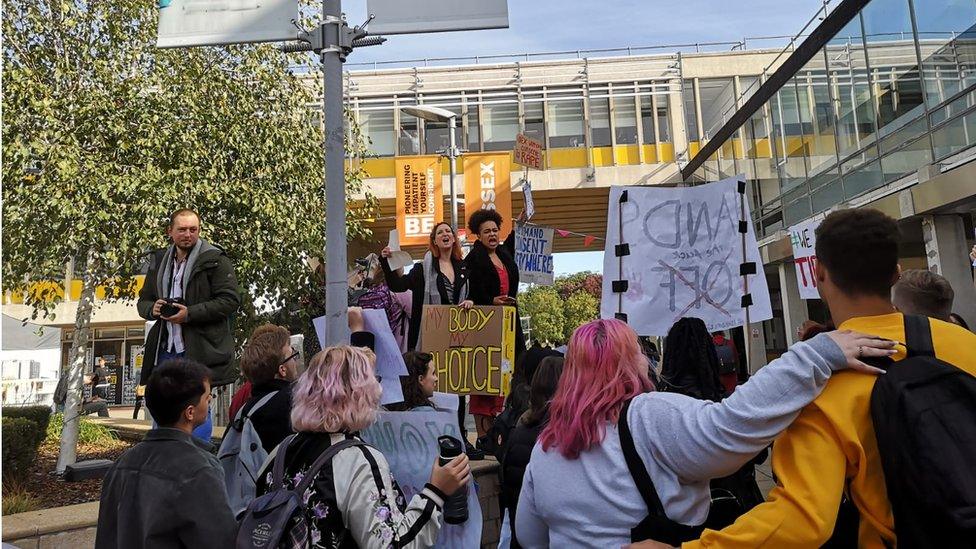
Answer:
(831, 447)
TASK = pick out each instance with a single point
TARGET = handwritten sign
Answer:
(408, 440)
(804, 240)
(528, 152)
(685, 253)
(533, 254)
(473, 349)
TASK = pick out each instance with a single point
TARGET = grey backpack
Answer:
(241, 455)
(278, 519)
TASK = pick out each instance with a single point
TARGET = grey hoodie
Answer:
(592, 501)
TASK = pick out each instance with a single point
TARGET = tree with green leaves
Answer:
(105, 135)
(542, 304)
(578, 309)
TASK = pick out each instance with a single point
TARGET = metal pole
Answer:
(336, 326)
(452, 155)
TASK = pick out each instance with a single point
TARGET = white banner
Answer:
(408, 440)
(215, 22)
(685, 252)
(804, 240)
(533, 254)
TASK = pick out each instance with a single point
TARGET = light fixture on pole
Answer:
(452, 153)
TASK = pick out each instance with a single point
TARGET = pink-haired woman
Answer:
(619, 463)
(353, 501)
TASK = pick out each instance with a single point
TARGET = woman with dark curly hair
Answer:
(493, 279)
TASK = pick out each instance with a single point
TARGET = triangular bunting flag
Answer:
(587, 240)
(562, 233)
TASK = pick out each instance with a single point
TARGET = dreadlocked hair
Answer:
(690, 365)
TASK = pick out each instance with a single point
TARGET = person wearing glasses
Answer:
(271, 364)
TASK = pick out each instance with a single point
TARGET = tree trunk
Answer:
(76, 370)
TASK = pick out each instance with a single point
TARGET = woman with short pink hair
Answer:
(619, 462)
(354, 498)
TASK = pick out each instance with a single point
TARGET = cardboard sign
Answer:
(419, 198)
(398, 259)
(804, 240)
(488, 186)
(533, 254)
(217, 22)
(408, 440)
(528, 152)
(685, 254)
(474, 349)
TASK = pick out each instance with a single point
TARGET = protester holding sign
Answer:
(354, 498)
(493, 278)
(441, 279)
(601, 422)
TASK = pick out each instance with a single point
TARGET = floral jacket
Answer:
(355, 502)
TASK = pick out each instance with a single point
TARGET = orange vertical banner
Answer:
(488, 185)
(419, 198)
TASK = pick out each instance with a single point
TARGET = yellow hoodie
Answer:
(832, 444)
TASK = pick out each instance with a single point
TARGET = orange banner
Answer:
(419, 198)
(488, 185)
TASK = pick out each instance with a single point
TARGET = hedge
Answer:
(41, 415)
(21, 439)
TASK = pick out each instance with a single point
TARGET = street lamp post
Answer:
(452, 153)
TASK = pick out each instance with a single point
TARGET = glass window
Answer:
(625, 120)
(472, 141)
(600, 118)
(535, 124)
(663, 121)
(846, 64)
(436, 134)
(948, 44)
(500, 125)
(717, 97)
(376, 123)
(408, 136)
(691, 111)
(894, 65)
(565, 120)
(907, 155)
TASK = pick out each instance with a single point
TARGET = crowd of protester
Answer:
(604, 443)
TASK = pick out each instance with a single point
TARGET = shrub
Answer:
(40, 415)
(88, 432)
(21, 439)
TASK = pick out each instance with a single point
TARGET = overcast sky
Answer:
(556, 25)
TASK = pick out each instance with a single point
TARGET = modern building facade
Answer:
(872, 104)
(610, 117)
(875, 108)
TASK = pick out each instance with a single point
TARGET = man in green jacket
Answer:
(192, 293)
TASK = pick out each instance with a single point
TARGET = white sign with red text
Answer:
(804, 241)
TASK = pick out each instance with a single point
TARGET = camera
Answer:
(170, 309)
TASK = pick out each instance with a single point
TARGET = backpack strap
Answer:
(278, 476)
(324, 458)
(246, 412)
(918, 336)
(636, 466)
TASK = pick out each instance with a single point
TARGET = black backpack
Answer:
(278, 519)
(924, 414)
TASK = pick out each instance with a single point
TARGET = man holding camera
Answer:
(191, 291)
